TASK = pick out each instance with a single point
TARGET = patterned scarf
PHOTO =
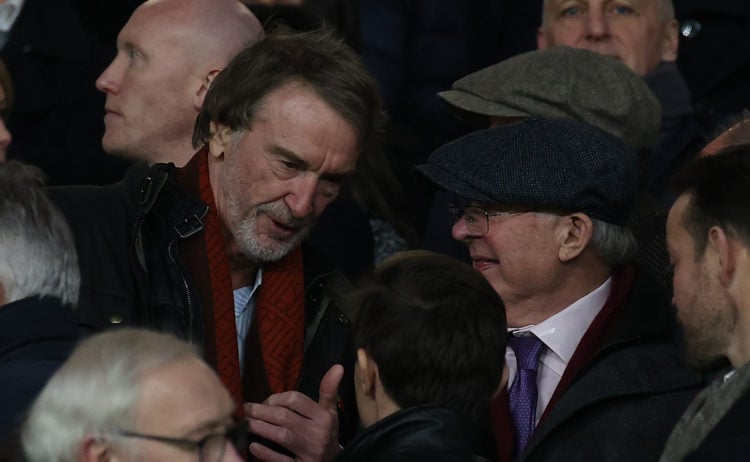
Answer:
(274, 347)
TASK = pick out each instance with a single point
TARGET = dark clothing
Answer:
(714, 57)
(621, 396)
(57, 116)
(729, 441)
(36, 336)
(680, 136)
(714, 426)
(129, 238)
(417, 48)
(425, 433)
(343, 235)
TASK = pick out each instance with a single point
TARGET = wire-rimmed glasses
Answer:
(211, 447)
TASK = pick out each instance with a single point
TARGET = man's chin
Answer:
(118, 149)
(271, 249)
(703, 356)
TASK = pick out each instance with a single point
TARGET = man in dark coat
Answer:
(543, 213)
(212, 251)
(38, 286)
(708, 237)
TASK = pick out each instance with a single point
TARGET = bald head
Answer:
(738, 133)
(168, 53)
(213, 30)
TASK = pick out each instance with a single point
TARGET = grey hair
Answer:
(95, 392)
(37, 254)
(616, 245)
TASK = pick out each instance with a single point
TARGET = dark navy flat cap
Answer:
(544, 164)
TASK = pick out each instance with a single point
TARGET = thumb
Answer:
(329, 387)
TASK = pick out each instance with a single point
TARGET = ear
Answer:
(671, 41)
(220, 141)
(367, 376)
(203, 89)
(541, 39)
(95, 450)
(724, 248)
(575, 233)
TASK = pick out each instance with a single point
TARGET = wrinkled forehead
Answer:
(181, 395)
(639, 5)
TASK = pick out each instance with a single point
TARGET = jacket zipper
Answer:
(186, 286)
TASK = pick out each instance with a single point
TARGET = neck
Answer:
(243, 271)
(177, 154)
(738, 351)
(384, 405)
(568, 290)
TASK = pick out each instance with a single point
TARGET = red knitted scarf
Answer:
(276, 340)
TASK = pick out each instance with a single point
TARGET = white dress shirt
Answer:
(560, 334)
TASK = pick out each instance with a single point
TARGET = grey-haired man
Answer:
(545, 202)
(567, 83)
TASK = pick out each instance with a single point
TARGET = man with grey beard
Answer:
(213, 253)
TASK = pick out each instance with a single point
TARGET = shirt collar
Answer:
(9, 13)
(562, 332)
(244, 294)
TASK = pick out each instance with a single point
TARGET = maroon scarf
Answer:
(274, 347)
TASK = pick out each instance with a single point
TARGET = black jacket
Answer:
(625, 401)
(36, 336)
(57, 117)
(424, 433)
(127, 236)
(729, 441)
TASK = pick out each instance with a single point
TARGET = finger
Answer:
(329, 387)
(264, 454)
(283, 414)
(291, 400)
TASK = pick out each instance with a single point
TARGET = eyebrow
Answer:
(304, 165)
(289, 155)
(212, 426)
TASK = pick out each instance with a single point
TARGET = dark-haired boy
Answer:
(430, 339)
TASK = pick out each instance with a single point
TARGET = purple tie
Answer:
(523, 391)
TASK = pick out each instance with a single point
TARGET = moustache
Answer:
(279, 212)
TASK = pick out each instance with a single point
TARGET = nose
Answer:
(301, 200)
(597, 25)
(460, 231)
(5, 140)
(109, 80)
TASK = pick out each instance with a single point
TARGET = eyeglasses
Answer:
(476, 219)
(211, 447)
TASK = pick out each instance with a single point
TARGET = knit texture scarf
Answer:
(274, 345)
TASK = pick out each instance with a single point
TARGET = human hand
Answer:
(309, 430)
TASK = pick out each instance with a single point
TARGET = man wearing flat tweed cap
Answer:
(569, 83)
(595, 370)
(561, 82)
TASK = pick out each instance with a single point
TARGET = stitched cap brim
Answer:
(452, 183)
(466, 101)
